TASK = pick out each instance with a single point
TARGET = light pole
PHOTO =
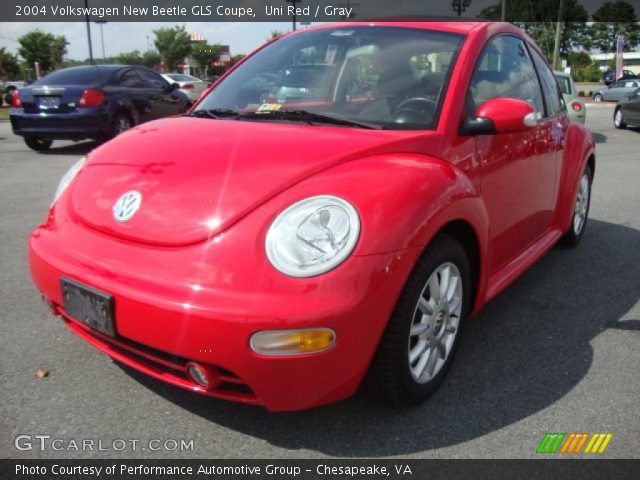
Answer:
(349, 7)
(294, 3)
(101, 23)
(460, 6)
(556, 44)
(86, 18)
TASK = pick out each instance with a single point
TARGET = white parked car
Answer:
(192, 86)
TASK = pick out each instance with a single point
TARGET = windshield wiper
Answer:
(306, 116)
(213, 113)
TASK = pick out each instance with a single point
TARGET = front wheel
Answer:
(421, 337)
(580, 210)
(618, 119)
(38, 144)
(597, 98)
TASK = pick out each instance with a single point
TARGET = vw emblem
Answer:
(127, 205)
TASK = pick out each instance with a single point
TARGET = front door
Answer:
(517, 170)
(161, 100)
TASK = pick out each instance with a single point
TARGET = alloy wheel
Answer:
(436, 322)
(582, 204)
(122, 124)
(617, 119)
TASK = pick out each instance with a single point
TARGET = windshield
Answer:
(392, 77)
(72, 76)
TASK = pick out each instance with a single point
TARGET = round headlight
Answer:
(313, 236)
(68, 178)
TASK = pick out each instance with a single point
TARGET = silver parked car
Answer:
(616, 91)
(575, 105)
(192, 86)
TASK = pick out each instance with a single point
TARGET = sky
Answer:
(121, 37)
(243, 37)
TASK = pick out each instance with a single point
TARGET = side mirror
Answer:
(501, 115)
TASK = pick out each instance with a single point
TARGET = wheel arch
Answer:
(127, 110)
(463, 232)
(579, 152)
(591, 162)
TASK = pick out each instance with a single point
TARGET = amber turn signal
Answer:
(292, 342)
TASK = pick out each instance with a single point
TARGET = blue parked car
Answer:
(93, 101)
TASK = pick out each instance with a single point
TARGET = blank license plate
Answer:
(88, 306)
(48, 102)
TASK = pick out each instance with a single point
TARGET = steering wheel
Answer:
(414, 110)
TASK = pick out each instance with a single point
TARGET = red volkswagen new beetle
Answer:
(332, 209)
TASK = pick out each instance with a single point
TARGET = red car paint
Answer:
(189, 272)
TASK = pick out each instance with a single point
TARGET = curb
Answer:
(600, 105)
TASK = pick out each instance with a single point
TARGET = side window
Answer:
(128, 78)
(505, 69)
(152, 79)
(552, 96)
(565, 85)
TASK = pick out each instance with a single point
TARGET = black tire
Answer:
(618, 119)
(120, 123)
(575, 233)
(390, 375)
(598, 98)
(38, 144)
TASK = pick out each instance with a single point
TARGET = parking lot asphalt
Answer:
(558, 351)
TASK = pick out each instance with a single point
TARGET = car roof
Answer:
(427, 23)
(104, 67)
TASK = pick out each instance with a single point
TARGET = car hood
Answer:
(196, 177)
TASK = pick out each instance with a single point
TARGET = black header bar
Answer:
(283, 10)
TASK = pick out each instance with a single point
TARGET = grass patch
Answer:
(4, 113)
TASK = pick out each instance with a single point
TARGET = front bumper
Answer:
(203, 302)
(579, 117)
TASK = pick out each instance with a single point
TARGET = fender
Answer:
(579, 147)
(408, 196)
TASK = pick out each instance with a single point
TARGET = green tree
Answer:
(46, 49)
(582, 67)
(538, 18)
(129, 58)
(150, 59)
(613, 19)
(274, 34)
(173, 44)
(236, 58)
(205, 54)
(69, 62)
(9, 66)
